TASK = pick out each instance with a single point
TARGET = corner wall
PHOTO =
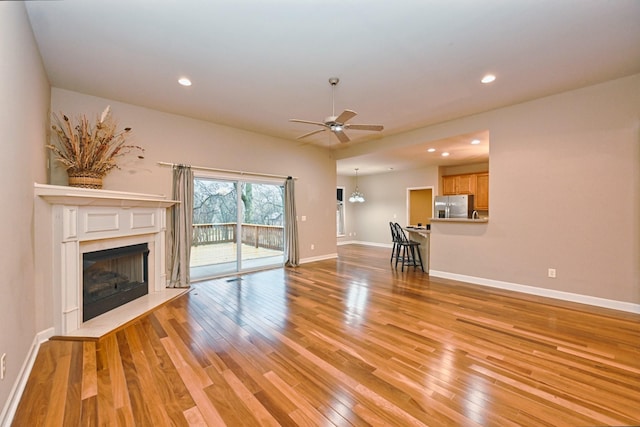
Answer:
(24, 91)
(564, 194)
(178, 139)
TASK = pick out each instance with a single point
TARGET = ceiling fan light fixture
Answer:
(356, 196)
(338, 124)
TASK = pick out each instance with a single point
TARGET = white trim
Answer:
(358, 242)
(344, 210)
(9, 410)
(319, 258)
(408, 201)
(347, 242)
(378, 245)
(532, 290)
(253, 178)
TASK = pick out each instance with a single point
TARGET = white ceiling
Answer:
(405, 64)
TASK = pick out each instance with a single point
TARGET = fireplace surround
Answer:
(74, 222)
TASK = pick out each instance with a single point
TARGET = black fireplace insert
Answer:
(113, 277)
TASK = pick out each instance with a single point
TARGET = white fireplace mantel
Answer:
(81, 220)
(61, 195)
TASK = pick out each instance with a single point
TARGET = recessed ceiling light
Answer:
(445, 154)
(488, 78)
(184, 81)
(475, 142)
(431, 150)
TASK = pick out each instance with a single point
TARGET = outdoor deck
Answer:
(218, 259)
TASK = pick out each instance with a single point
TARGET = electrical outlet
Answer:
(3, 365)
(552, 273)
(313, 246)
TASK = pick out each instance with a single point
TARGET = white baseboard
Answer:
(318, 258)
(9, 410)
(358, 242)
(532, 290)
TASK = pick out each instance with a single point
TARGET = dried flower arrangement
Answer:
(90, 150)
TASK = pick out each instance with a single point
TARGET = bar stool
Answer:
(409, 249)
(395, 239)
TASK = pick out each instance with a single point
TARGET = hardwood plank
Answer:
(194, 383)
(60, 382)
(89, 370)
(74, 387)
(161, 379)
(348, 341)
(89, 411)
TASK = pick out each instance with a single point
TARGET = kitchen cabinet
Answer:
(458, 184)
(481, 199)
(476, 184)
(449, 185)
(466, 184)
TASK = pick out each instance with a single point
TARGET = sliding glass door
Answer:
(238, 225)
(262, 225)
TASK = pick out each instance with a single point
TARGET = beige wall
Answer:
(177, 139)
(557, 166)
(24, 103)
(386, 200)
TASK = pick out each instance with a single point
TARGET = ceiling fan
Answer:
(337, 124)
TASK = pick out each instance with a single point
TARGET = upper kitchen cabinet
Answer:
(449, 185)
(458, 184)
(476, 184)
(466, 184)
(481, 199)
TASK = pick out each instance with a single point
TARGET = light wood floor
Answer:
(346, 342)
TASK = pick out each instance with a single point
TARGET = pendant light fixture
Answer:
(356, 196)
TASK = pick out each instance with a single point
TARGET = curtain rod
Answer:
(203, 168)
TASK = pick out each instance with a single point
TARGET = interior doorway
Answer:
(419, 205)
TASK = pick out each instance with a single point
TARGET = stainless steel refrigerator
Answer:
(453, 206)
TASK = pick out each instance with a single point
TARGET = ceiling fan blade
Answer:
(377, 128)
(345, 116)
(341, 136)
(311, 133)
(308, 122)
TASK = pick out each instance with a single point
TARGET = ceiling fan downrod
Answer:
(333, 81)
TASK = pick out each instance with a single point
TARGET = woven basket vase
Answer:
(85, 179)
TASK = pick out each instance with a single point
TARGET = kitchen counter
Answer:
(467, 220)
(417, 229)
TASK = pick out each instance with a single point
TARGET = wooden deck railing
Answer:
(260, 236)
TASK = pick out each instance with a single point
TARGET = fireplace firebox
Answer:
(113, 277)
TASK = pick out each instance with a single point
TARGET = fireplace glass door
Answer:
(113, 277)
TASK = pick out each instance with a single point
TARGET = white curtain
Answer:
(291, 243)
(180, 228)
